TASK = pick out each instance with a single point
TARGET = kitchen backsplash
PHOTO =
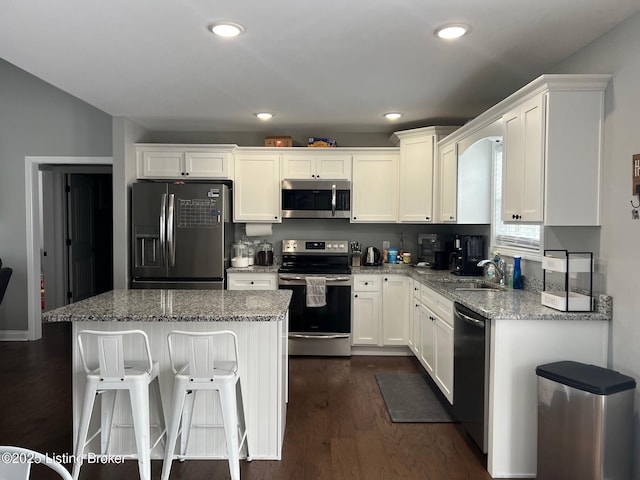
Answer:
(366, 234)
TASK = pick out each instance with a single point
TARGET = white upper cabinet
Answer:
(553, 151)
(256, 190)
(418, 172)
(448, 184)
(183, 162)
(523, 163)
(375, 187)
(312, 164)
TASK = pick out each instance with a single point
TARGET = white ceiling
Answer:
(336, 64)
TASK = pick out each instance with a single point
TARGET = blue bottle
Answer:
(517, 273)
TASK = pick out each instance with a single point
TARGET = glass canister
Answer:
(251, 253)
(240, 255)
(264, 254)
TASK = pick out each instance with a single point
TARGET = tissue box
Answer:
(320, 142)
(278, 141)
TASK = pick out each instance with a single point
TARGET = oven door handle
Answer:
(332, 279)
(318, 337)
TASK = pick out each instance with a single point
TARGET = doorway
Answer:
(77, 233)
(34, 206)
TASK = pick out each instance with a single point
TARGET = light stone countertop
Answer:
(506, 304)
(254, 269)
(177, 306)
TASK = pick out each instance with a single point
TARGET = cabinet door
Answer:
(366, 310)
(448, 184)
(427, 339)
(160, 164)
(415, 329)
(209, 165)
(416, 179)
(395, 309)
(256, 190)
(444, 358)
(298, 167)
(252, 281)
(523, 162)
(333, 167)
(375, 188)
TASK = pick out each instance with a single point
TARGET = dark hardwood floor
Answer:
(337, 424)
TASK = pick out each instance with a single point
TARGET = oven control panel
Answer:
(315, 246)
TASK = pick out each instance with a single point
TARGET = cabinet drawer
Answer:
(367, 283)
(427, 296)
(252, 281)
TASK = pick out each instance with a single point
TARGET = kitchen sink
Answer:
(478, 286)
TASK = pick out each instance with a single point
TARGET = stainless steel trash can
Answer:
(585, 420)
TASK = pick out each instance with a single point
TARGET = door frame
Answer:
(32, 197)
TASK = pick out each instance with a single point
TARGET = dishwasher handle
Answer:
(476, 322)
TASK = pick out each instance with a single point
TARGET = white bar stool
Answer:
(114, 373)
(202, 372)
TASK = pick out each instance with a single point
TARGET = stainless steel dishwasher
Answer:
(471, 372)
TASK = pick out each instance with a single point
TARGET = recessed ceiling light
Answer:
(449, 32)
(392, 115)
(226, 29)
(264, 115)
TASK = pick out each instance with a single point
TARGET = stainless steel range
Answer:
(318, 273)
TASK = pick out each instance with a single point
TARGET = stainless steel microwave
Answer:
(316, 199)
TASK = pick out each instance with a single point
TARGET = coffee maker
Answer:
(434, 250)
(468, 251)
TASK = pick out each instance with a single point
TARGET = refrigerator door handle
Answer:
(171, 231)
(163, 230)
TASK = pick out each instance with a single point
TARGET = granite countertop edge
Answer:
(176, 306)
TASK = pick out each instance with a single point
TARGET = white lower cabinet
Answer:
(395, 309)
(252, 281)
(433, 336)
(427, 340)
(380, 310)
(366, 318)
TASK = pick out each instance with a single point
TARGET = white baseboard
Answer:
(14, 335)
(399, 351)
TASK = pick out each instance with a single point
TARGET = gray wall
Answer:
(36, 119)
(617, 53)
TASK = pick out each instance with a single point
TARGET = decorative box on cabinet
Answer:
(567, 263)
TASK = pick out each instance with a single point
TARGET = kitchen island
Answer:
(258, 318)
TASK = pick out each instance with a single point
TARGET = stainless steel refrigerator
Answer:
(182, 235)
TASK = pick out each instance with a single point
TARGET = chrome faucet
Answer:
(499, 264)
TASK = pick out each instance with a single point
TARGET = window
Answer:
(520, 237)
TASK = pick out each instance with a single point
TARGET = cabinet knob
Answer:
(450, 218)
(427, 218)
(386, 279)
(186, 173)
(252, 283)
(366, 283)
(276, 217)
(313, 176)
(356, 295)
(182, 173)
(354, 218)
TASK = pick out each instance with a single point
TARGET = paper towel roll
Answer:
(258, 229)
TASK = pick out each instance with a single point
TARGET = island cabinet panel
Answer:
(263, 372)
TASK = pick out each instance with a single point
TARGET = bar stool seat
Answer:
(200, 370)
(114, 373)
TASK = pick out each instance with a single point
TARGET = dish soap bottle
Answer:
(517, 273)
